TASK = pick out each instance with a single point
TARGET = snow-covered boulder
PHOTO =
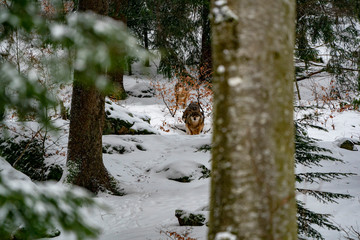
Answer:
(186, 218)
(115, 145)
(346, 143)
(11, 173)
(183, 171)
(141, 90)
(120, 121)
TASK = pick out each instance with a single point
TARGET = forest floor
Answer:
(149, 162)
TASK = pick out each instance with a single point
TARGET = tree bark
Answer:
(146, 44)
(98, 6)
(117, 76)
(205, 60)
(252, 185)
(84, 158)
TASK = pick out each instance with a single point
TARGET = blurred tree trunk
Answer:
(252, 188)
(117, 77)
(146, 44)
(160, 38)
(84, 160)
(205, 60)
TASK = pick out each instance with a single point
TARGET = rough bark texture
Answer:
(97, 6)
(117, 77)
(253, 192)
(205, 60)
(146, 44)
(84, 160)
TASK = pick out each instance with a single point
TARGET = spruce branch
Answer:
(324, 197)
(316, 177)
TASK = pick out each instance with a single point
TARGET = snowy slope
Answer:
(147, 164)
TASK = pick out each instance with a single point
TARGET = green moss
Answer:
(115, 126)
(119, 94)
(115, 187)
(73, 171)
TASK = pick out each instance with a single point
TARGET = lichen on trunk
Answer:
(253, 192)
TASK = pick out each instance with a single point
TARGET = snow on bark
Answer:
(222, 12)
(225, 236)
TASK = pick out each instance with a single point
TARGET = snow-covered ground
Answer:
(149, 163)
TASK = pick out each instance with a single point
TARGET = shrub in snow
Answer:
(29, 211)
(27, 156)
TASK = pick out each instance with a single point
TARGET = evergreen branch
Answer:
(307, 217)
(315, 177)
(324, 197)
(312, 158)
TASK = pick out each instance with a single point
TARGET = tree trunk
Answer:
(146, 44)
(98, 6)
(205, 60)
(358, 68)
(84, 159)
(252, 188)
(117, 77)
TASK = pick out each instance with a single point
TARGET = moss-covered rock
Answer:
(346, 144)
(190, 219)
(120, 121)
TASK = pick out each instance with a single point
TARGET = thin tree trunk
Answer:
(205, 61)
(297, 89)
(358, 66)
(146, 44)
(117, 77)
(252, 188)
(98, 6)
(84, 158)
